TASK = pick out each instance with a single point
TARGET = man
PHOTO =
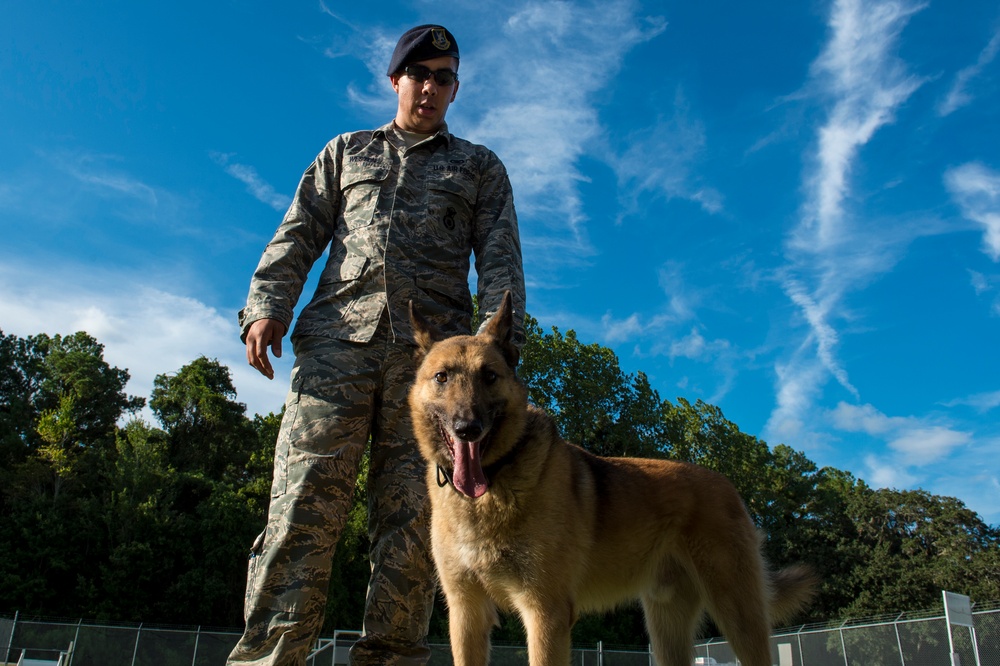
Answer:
(401, 209)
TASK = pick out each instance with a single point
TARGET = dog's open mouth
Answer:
(467, 475)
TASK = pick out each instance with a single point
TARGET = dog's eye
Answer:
(489, 376)
(441, 377)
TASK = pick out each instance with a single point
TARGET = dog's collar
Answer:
(444, 479)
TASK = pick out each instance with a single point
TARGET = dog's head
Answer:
(466, 401)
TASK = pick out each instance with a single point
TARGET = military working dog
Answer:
(523, 521)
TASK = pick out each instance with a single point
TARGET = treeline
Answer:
(152, 522)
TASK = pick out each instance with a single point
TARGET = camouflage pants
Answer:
(342, 392)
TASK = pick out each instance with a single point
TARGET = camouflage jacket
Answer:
(400, 224)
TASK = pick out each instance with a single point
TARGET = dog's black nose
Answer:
(469, 430)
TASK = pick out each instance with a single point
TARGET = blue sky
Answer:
(788, 209)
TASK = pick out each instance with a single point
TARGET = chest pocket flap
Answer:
(361, 188)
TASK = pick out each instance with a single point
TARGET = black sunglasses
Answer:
(442, 77)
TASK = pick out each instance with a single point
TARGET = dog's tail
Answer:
(791, 589)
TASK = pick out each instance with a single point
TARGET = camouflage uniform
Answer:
(400, 225)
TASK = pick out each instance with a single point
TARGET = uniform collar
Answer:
(391, 132)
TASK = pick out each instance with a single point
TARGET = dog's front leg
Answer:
(548, 624)
(471, 617)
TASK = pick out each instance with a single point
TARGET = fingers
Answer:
(262, 334)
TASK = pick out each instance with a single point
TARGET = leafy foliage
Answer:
(107, 516)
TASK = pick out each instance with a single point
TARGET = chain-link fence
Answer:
(93, 644)
(907, 639)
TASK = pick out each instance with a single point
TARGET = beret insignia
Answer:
(440, 39)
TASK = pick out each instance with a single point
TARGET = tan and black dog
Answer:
(523, 521)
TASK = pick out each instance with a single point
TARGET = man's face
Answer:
(423, 104)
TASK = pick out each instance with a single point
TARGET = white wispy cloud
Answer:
(959, 95)
(985, 286)
(866, 419)
(144, 328)
(976, 190)
(798, 385)
(861, 83)
(695, 346)
(558, 56)
(256, 186)
(102, 175)
(921, 446)
(719, 352)
(618, 330)
(981, 402)
(659, 160)
(886, 473)
(681, 303)
(674, 331)
(864, 83)
(817, 309)
(116, 183)
(917, 441)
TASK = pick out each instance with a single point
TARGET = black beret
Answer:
(424, 42)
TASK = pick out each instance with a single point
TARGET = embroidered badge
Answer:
(439, 38)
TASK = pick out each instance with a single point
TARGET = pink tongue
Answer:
(469, 478)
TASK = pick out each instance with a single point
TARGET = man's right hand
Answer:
(262, 334)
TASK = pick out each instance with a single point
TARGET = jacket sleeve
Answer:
(300, 240)
(497, 246)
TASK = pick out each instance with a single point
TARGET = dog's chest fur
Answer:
(485, 537)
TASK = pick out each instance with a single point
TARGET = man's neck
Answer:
(413, 138)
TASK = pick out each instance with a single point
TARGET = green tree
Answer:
(60, 408)
(207, 429)
(807, 521)
(127, 521)
(596, 405)
(20, 375)
(701, 434)
(916, 545)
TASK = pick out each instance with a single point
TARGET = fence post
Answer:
(10, 641)
(600, 653)
(135, 650)
(76, 639)
(899, 643)
(975, 643)
(194, 657)
(843, 645)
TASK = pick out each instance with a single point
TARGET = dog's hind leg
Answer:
(672, 615)
(471, 617)
(736, 597)
(744, 623)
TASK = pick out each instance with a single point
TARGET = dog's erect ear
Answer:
(424, 333)
(500, 327)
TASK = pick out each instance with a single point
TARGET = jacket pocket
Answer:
(347, 269)
(451, 205)
(360, 191)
